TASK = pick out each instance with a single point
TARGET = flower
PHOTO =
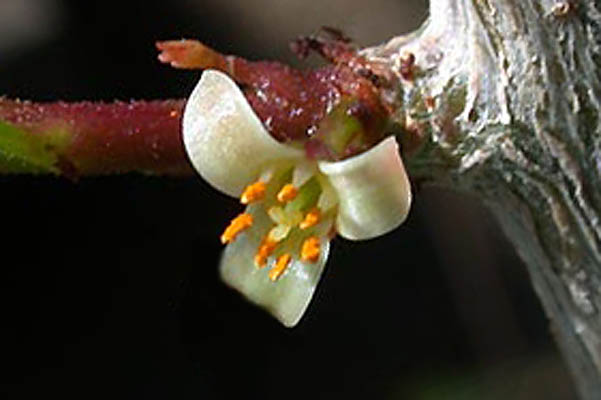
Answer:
(277, 248)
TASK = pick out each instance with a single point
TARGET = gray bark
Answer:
(504, 103)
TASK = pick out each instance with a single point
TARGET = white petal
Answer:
(288, 297)
(373, 191)
(224, 138)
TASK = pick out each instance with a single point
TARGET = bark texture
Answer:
(503, 101)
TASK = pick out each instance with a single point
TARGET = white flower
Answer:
(277, 249)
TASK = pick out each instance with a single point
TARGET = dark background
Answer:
(109, 286)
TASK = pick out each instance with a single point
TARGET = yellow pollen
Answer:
(253, 192)
(287, 193)
(266, 249)
(238, 224)
(310, 249)
(280, 267)
(313, 217)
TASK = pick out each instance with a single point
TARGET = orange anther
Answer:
(310, 250)
(266, 249)
(238, 224)
(311, 218)
(287, 193)
(253, 192)
(280, 267)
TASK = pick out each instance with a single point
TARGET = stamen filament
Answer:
(307, 197)
(277, 214)
(253, 192)
(302, 173)
(327, 198)
(280, 266)
(238, 224)
(310, 250)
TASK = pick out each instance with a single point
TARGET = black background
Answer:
(109, 285)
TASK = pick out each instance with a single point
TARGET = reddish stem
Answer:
(105, 138)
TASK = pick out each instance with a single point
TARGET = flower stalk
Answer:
(82, 139)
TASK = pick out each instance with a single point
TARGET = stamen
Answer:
(310, 250)
(287, 193)
(312, 218)
(280, 267)
(238, 224)
(266, 249)
(266, 175)
(253, 192)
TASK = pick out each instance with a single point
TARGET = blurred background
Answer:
(110, 287)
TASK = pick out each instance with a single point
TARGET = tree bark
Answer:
(503, 101)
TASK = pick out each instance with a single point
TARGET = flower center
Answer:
(300, 206)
